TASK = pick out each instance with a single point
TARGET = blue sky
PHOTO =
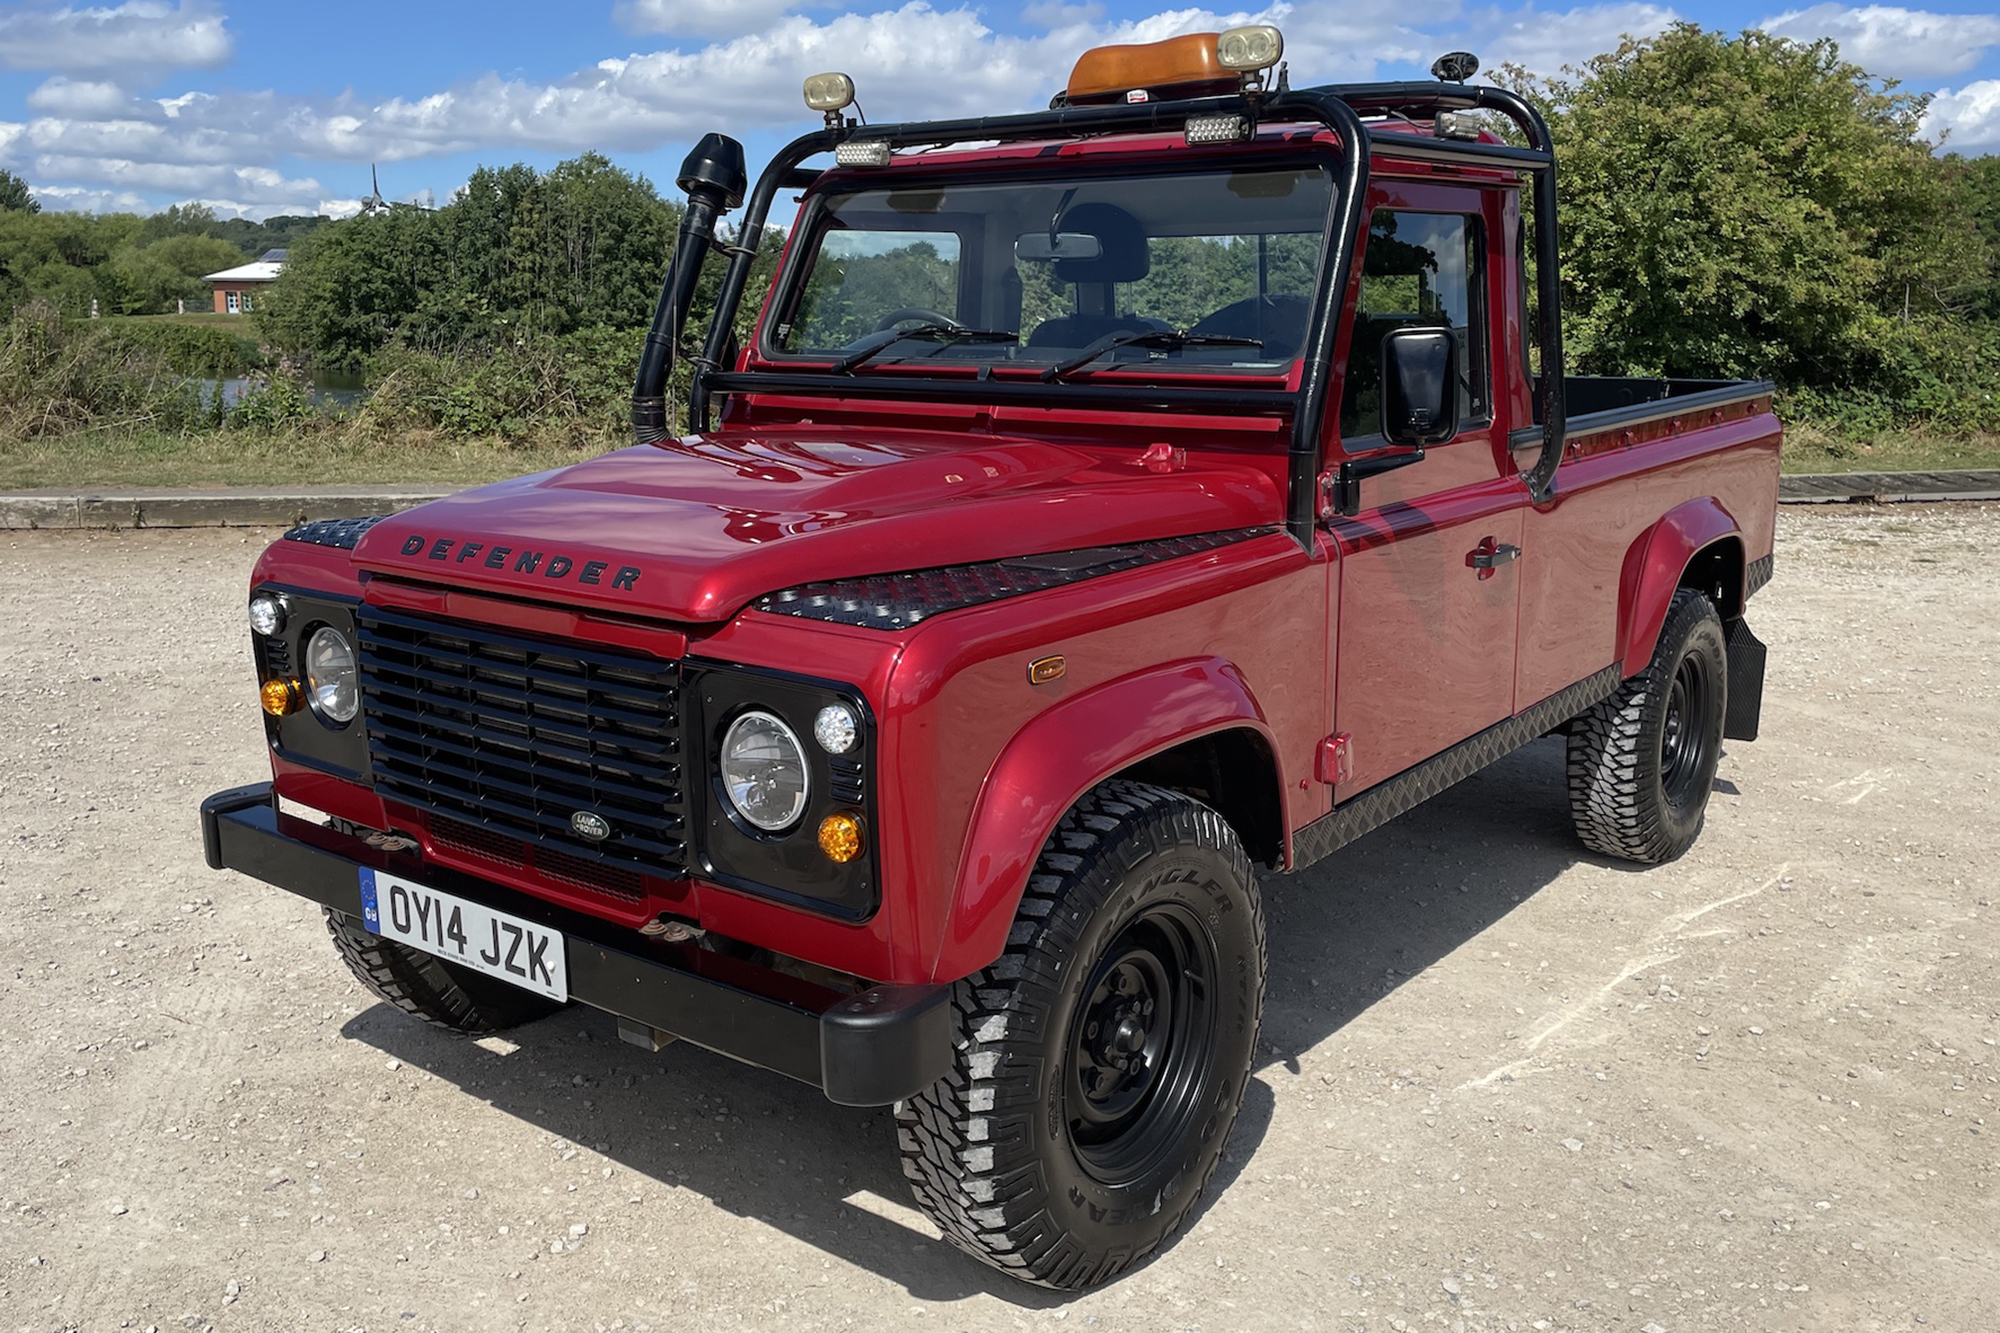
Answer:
(256, 109)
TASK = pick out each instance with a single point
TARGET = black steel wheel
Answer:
(438, 992)
(1102, 1059)
(1140, 1041)
(1642, 763)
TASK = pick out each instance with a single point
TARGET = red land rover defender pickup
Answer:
(1110, 501)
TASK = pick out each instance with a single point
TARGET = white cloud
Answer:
(76, 199)
(1894, 43)
(1545, 42)
(1967, 119)
(140, 34)
(79, 97)
(252, 184)
(681, 18)
(915, 61)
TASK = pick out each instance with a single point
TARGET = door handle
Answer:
(1489, 555)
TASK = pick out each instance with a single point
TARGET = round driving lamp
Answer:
(267, 613)
(763, 769)
(333, 684)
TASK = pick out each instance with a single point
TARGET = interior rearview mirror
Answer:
(1419, 386)
(1042, 245)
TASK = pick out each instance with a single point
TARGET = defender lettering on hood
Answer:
(522, 560)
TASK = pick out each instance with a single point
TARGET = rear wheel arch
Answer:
(1696, 545)
(1716, 572)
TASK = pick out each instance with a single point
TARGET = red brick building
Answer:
(238, 289)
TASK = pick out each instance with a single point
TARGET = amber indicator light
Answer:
(1046, 669)
(279, 697)
(840, 837)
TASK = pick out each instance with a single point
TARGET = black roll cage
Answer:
(1338, 108)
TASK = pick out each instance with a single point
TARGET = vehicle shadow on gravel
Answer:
(1342, 936)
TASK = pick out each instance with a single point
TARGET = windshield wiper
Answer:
(1166, 338)
(882, 340)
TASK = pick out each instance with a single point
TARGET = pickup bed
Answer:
(1109, 501)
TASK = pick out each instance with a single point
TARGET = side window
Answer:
(1420, 270)
(860, 278)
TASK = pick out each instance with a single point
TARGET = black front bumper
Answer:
(861, 1050)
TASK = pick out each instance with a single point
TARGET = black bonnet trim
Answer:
(338, 532)
(897, 601)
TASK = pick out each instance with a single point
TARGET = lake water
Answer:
(330, 391)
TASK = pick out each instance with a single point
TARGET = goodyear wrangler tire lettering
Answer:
(1102, 1058)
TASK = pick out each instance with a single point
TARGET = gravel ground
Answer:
(1505, 1087)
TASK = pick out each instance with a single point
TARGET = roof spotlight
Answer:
(830, 93)
(1248, 49)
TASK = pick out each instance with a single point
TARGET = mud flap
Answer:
(1746, 682)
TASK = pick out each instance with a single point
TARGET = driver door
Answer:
(1424, 644)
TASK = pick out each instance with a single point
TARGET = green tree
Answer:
(348, 288)
(153, 278)
(515, 254)
(14, 196)
(179, 220)
(1753, 206)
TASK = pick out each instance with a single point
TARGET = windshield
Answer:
(1202, 271)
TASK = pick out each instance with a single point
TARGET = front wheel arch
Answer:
(1068, 750)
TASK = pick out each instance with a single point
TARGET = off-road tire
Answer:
(1642, 762)
(430, 988)
(1020, 1154)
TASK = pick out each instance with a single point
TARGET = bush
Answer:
(202, 351)
(58, 376)
(574, 388)
(279, 403)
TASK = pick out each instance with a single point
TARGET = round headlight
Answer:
(834, 729)
(267, 613)
(764, 771)
(333, 686)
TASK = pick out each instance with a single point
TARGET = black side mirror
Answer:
(1419, 407)
(1419, 386)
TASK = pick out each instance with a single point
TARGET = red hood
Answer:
(694, 529)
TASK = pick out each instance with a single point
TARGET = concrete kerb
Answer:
(1888, 487)
(243, 507)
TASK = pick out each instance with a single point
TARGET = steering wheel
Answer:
(920, 313)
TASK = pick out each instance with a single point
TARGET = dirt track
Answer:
(1505, 1086)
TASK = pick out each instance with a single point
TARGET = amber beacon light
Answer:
(1199, 64)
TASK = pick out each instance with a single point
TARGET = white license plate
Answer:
(462, 932)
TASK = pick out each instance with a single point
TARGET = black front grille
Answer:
(474, 840)
(516, 735)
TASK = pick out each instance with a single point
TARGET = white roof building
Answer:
(234, 286)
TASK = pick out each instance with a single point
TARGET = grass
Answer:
(100, 460)
(1811, 450)
(243, 324)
